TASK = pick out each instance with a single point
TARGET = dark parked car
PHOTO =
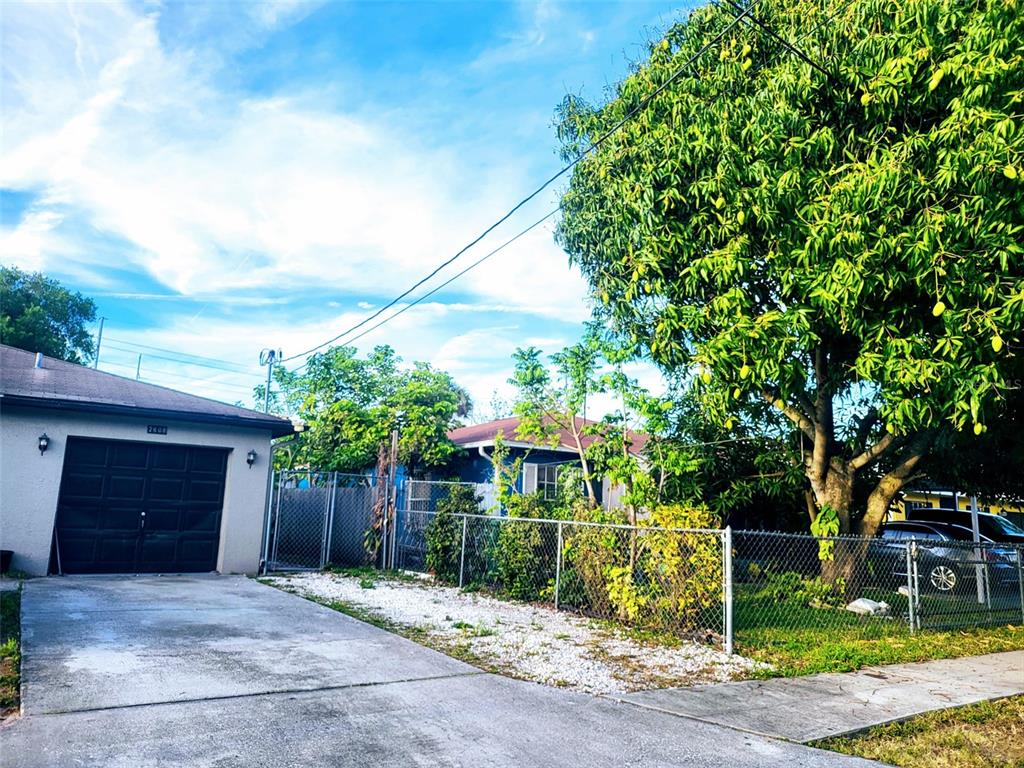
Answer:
(995, 527)
(946, 559)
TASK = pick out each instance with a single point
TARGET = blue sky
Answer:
(225, 177)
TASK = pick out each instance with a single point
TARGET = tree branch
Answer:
(793, 414)
(873, 453)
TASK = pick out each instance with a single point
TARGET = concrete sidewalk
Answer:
(803, 709)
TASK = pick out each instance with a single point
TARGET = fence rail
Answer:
(749, 588)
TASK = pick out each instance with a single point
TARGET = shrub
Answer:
(790, 586)
(444, 532)
(523, 553)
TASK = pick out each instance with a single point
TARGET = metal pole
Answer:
(910, 589)
(327, 521)
(384, 524)
(138, 368)
(462, 557)
(727, 579)
(979, 566)
(266, 392)
(1020, 579)
(266, 534)
(558, 565)
(917, 585)
(99, 343)
(394, 492)
(277, 515)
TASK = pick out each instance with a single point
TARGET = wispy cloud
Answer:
(163, 178)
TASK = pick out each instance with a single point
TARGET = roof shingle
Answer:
(487, 432)
(58, 383)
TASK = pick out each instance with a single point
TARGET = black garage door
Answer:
(129, 507)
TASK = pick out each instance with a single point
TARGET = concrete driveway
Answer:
(223, 671)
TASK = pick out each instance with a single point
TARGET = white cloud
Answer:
(214, 193)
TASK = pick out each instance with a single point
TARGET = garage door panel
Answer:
(139, 507)
(128, 455)
(171, 457)
(201, 520)
(208, 460)
(163, 520)
(82, 485)
(127, 487)
(205, 490)
(81, 518)
(166, 488)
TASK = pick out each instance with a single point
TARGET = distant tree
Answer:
(842, 246)
(40, 315)
(549, 407)
(350, 406)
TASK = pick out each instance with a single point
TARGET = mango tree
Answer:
(840, 241)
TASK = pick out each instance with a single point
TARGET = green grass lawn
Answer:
(986, 735)
(10, 651)
(797, 639)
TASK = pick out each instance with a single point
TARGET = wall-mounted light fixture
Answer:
(44, 443)
(250, 458)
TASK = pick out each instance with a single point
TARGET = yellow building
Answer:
(945, 498)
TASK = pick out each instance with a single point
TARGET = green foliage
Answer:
(549, 410)
(524, 559)
(351, 405)
(523, 554)
(824, 526)
(10, 650)
(790, 586)
(655, 577)
(444, 532)
(849, 250)
(40, 315)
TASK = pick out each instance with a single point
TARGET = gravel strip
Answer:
(530, 642)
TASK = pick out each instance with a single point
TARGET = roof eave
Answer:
(276, 427)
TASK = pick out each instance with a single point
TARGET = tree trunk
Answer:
(842, 561)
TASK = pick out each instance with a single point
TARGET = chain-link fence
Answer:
(759, 589)
(316, 519)
(655, 578)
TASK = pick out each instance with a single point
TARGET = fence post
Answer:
(325, 545)
(911, 608)
(270, 511)
(462, 557)
(277, 516)
(1020, 579)
(558, 565)
(727, 586)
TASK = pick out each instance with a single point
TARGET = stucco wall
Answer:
(30, 483)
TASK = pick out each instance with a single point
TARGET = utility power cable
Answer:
(449, 281)
(551, 180)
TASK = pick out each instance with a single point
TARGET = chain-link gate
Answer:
(316, 519)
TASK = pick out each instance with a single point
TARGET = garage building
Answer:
(104, 474)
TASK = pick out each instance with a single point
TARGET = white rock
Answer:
(530, 641)
(865, 607)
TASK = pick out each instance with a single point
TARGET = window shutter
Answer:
(529, 478)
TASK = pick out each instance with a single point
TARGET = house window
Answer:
(547, 481)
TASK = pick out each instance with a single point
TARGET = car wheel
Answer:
(943, 578)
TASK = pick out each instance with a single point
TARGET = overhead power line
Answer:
(208, 362)
(179, 361)
(551, 179)
(753, 20)
(148, 377)
(451, 279)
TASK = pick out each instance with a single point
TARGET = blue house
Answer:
(541, 464)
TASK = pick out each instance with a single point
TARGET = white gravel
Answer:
(531, 642)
